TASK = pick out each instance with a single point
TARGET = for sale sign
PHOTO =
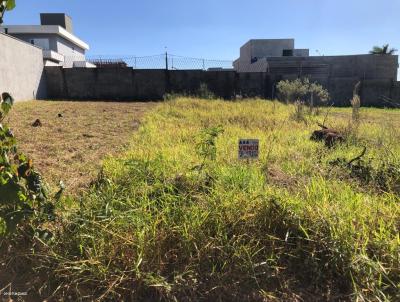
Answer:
(248, 148)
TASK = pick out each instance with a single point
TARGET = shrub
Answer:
(302, 93)
(23, 194)
(201, 93)
(302, 90)
(356, 104)
(204, 92)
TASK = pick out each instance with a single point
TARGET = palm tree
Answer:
(384, 50)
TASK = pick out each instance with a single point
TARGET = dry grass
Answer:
(70, 148)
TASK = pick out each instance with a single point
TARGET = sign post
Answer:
(249, 148)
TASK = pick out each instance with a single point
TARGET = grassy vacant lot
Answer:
(169, 220)
(70, 148)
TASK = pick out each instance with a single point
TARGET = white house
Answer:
(55, 36)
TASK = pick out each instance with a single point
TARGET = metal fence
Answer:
(162, 61)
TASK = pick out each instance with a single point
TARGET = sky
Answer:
(215, 29)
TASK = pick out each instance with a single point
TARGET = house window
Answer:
(254, 59)
(42, 43)
(287, 53)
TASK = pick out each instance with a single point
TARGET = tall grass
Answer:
(164, 223)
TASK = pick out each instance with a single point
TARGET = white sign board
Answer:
(248, 148)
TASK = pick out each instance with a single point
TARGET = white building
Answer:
(55, 36)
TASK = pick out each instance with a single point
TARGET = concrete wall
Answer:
(270, 47)
(361, 66)
(68, 48)
(57, 19)
(105, 83)
(130, 84)
(56, 43)
(28, 37)
(21, 69)
(261, 48)
(396, 92)
(245, 52)
(301, 52)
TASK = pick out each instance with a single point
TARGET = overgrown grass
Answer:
(290, 226)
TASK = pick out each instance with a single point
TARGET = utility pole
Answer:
(166, 60)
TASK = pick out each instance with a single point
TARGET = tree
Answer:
(384, 50)
(5, 5)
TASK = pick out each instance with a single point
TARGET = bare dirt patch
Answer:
(74, 137)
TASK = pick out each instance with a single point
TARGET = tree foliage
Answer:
(5, 5)
(23, 194)
(384, 50)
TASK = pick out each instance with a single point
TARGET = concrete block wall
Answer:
(373, 91)
(270, 47)
(255, 84)
(131, 85)
(341, 90)
(361, 66)
(21, 69)
(396, 92)
(105, 83)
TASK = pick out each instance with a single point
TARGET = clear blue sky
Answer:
(216, 29)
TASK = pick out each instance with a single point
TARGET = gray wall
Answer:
(361, 66)
(28, 37)
(62, 20)
(68, 48)
(301, 52)
(56, 43)
(21, 69)
(270, 47)
(131, 85)
(396, 92)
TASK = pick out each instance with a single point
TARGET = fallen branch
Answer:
(358, 157)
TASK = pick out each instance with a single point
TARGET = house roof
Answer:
(46, 29)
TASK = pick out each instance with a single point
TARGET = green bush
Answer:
(302, 90)
(23, 194)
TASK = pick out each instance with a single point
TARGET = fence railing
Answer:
(162, 61)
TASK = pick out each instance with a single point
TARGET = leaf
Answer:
(13, 219)
(7, 103)
(3, 227)
(44, 235)
(9, 193)
(58, 195)
(10, 4)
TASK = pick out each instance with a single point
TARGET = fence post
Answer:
(167, 80)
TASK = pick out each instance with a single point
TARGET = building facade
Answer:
(280, 60)
(56, 38)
